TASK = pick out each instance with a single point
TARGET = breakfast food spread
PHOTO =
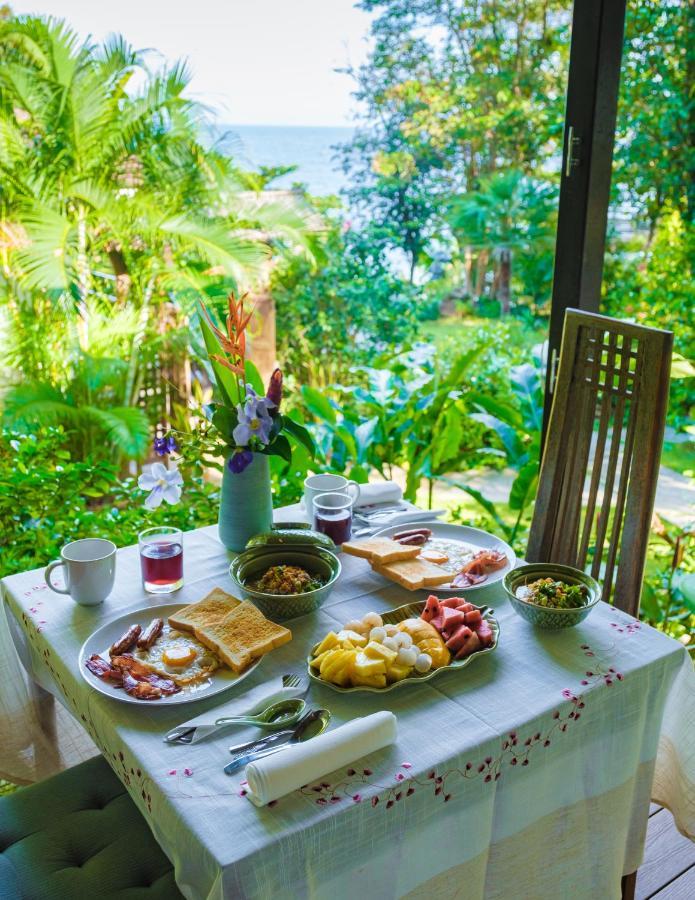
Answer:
(286, 580)
(168, 657)
(416, 559)
(553, 594)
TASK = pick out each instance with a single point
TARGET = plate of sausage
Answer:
(141, 658)
(474, 558)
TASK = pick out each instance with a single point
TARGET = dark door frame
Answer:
(587, 160)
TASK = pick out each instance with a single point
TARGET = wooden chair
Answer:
(602, 449)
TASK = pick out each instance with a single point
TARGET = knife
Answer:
(310, 725)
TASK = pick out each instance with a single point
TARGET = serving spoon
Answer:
(277, 715)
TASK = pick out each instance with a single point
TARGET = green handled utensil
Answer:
(278, 715)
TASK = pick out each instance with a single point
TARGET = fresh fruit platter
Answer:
(405, 645)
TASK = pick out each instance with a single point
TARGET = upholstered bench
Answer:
(79, 835)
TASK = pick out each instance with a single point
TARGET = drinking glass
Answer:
(161, 559)
(333, 516)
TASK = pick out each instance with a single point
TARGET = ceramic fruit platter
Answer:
(456, 548)
(188, 656)
(406, 645)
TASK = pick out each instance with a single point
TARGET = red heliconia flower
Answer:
(274, 393)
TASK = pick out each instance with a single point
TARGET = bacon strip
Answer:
(477, 569)
(137, 679)
(98, 666)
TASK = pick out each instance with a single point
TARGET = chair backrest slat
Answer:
(601, 460)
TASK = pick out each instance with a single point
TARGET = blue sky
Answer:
(254, 61)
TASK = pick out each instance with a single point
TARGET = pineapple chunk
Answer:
(377, 681)
(355, 639)
(364, 667)
(395, 672)
(316, 661)
(328, 643)
(377, 651)
(337, 666)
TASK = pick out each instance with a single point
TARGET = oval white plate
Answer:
(101, 639)
(481, 540)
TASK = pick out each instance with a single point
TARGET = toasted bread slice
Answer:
(380, 550)
(242, 636)
(207, 611)
(414, 573)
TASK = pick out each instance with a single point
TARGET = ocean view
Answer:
(312, 149)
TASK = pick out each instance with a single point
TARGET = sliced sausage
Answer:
(124, 643)
(150, 634)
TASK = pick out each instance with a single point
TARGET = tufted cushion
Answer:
(79, 834)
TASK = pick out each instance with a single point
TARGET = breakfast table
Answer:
(528, 774)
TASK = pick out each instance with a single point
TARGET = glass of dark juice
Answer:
(333, 516)
(161, 559)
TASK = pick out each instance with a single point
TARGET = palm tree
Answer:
(110, 194)
(509, 213)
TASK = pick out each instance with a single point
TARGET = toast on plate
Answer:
(242, 636)
(211, 609)
(380, 551)
(414, 574)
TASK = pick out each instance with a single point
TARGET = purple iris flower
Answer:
(254, 419)
(239, 460)
(165, 445)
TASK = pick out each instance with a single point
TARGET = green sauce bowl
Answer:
(550, 617)
(251, 564)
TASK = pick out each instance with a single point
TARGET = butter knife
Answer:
(310, 725)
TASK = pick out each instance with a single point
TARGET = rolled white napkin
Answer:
(300, 764)
(247, 704)
(378, 492)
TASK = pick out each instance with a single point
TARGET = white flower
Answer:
(162, 483)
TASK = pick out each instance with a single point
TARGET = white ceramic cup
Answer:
(323, 484)
(89, 570)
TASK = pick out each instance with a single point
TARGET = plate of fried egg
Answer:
(141, 657)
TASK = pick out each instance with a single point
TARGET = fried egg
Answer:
(179, 656)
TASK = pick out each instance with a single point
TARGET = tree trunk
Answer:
(82, 280)
(481, 270)
(505, 278)
(468, 269)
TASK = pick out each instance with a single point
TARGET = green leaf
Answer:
(448, 438)
(253, 377)
(226, 382)
(508, 436)
(681, 367)
(300, 434)
(280, 447)
(523, 489)
(482, 501)
(318, 405)
(225, 420)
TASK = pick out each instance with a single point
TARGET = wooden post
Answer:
(263, 348)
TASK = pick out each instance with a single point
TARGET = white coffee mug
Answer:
(322, 484)
(89, 570)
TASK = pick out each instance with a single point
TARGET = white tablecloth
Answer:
(527, 775)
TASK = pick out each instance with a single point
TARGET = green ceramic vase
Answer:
(246, 503)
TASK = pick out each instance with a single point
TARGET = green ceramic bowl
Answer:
(543, 616)
(252, 563)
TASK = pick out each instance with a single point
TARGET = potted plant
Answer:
(248, 426)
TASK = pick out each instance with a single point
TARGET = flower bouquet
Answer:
(247, 420)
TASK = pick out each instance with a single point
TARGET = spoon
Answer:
(310, 725)
(277, 715)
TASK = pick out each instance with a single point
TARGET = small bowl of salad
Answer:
(285, 581)
(551, 596)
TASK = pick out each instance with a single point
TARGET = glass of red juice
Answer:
(333, 516)
(161, 559)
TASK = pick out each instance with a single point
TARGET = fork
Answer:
(294, 681)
